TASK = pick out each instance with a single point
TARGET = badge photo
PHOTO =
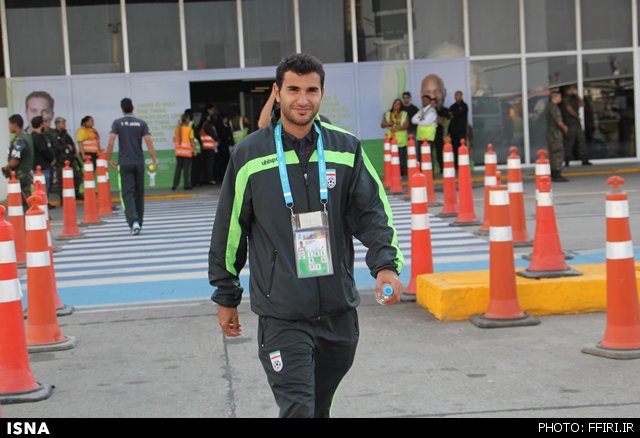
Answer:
(331, 178)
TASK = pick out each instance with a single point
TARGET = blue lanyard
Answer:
(284, 176)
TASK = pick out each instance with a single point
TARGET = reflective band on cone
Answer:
(622, 334)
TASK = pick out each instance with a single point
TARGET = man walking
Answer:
(301, 183)
(130, 131)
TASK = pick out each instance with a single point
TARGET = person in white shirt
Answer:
(425, 119)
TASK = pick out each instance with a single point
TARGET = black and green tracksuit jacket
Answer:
(252, 212)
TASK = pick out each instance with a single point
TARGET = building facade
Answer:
(505, 55)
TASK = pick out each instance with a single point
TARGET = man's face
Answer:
(431, 87)
(38, 106)
(300, 97)
(458, 96)
(556, 99)
(61, 126)
(406, 100)
(13, 128)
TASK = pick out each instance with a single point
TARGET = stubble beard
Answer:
(288, 114)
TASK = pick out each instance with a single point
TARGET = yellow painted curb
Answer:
(452, 296)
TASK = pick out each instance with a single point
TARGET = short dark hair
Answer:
(42, 95)
(299, 63)
(127, 105)
(85, 119)
(36, 122)
(406, 93)
(17, 119)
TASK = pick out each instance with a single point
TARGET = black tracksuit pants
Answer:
(306, 360)
(132, 186)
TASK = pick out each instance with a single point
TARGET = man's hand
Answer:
(228, 320)
(389, 277)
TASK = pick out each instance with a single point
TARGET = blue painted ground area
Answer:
(168, 261)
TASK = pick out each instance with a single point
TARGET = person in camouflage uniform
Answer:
(66, 150)
(20, 157)
(555, 128)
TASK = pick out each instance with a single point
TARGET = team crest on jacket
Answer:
(276, 360)
(331, 178)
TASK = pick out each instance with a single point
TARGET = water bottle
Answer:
(387, 291)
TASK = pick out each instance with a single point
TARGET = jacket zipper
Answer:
(306, 186)
(274, 256)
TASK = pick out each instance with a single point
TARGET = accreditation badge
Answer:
(312, 243)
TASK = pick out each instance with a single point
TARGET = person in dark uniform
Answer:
(411, 110)
(555, 128)
(225, 142)
(308, 325)
(574, 138)
(20, 157)
(130, 132)
(43, 154)
(66, 151)
(459, 114)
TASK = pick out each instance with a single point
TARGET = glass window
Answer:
(154, 35)
(382, 30)
(550, 25)
(606, 23)
(496, 107)
(494, 27)
(543, 76)
(439, 38)
(95, 36)
(212, 34)
(35, 37)
(269, 32)
(325, 29)
(608, 105)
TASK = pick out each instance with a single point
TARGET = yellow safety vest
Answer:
(402, 137)
(426, 132)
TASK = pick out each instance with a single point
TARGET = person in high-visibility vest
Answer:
(183, 139)
(396, 121)
(88, 139)
(425, 120)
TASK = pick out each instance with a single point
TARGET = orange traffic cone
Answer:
(43, 332)
(490, 167)
(427, 170)
(466, 213)
(61, 309)
(387, 163)
(38, 176)
(70, 226)
(622, 335)
(516, 200)
(90, 206)
(504, 309)
(412, 163)
(104, 188)
(396, 180)
(543, 168)
(450, 208)
(17, 384)
(547, 260)
(421, 253)
(16, 218)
